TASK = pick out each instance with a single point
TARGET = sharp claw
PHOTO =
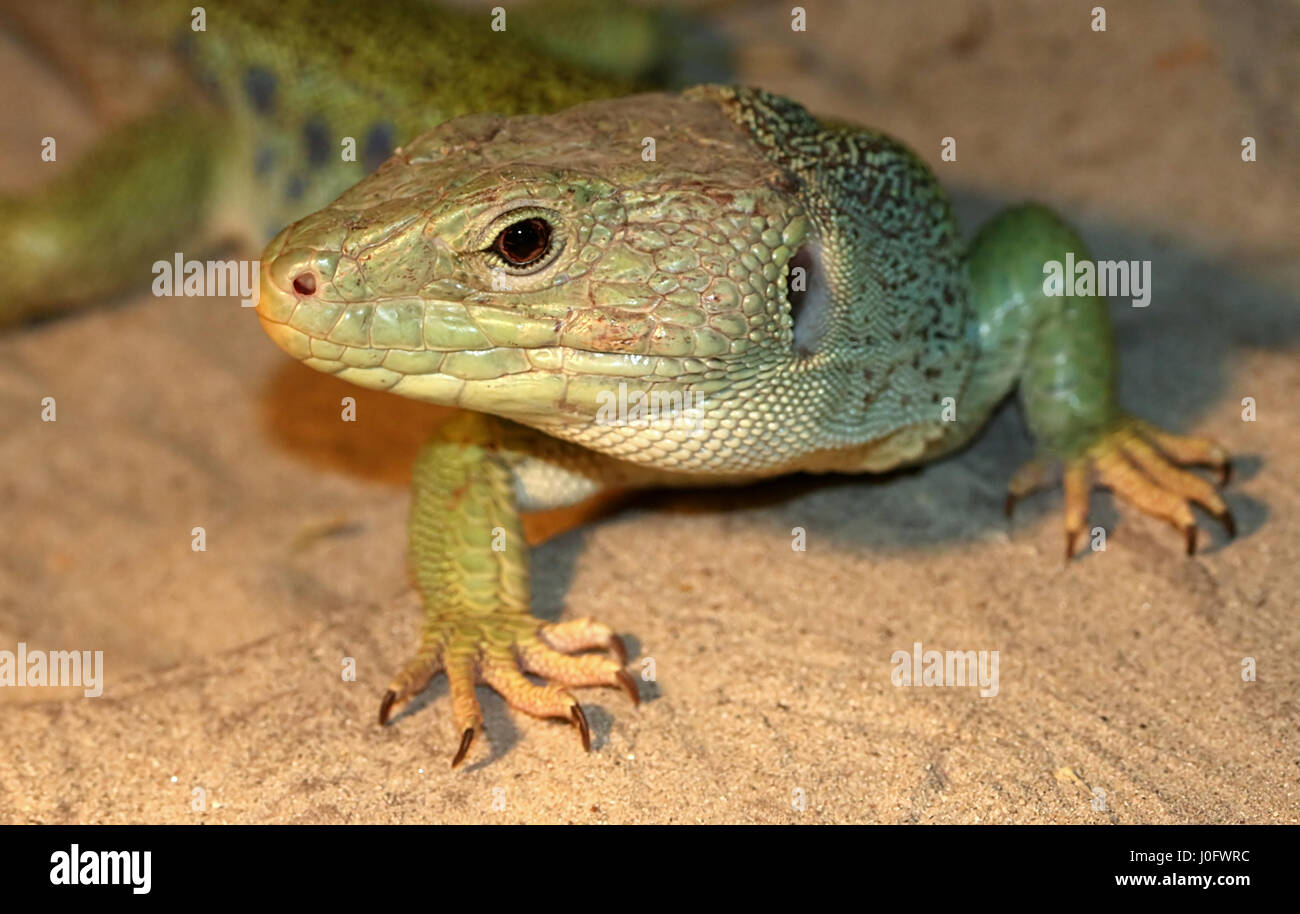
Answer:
(465, 739)
(629, 686)
(386, 706)
(619, 648)
(580, 720)
(1010, 504)
(1071, 540)
(1225, 473)
(1229, 523)
(1190, 533)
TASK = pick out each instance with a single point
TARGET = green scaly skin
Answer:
(672, 277)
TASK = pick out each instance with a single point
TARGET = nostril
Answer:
(304, 284)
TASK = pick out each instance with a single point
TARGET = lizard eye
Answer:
(523, 242)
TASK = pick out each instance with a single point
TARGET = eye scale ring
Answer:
(523, 243)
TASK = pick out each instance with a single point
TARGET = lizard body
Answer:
(527, 268)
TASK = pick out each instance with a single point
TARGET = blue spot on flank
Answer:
(259, 83)
(316, 137)
(264, 161)
(379, 145)
(295, 188)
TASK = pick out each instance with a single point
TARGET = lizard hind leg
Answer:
(145, 191)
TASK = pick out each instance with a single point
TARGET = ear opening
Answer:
(809, 301)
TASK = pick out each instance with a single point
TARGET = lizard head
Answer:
(554, 269)
(528, 266)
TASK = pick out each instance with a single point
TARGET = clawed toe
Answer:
(465, 739)
(629, 686)
(580, 721)
(386, 706)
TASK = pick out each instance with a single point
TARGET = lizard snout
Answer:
(295, 280)
(290, 274)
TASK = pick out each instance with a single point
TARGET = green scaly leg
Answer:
(478, 626)
(1060, 351)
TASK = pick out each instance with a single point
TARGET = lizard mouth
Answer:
(540, 382)
(436, 351)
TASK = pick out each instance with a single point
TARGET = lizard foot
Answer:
(1142, 465)
(497, 651)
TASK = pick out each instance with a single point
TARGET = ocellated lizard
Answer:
(532, 270)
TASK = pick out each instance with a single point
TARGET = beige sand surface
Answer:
(1119, 672)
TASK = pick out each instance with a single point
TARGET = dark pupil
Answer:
(524, 242)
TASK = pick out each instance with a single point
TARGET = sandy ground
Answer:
(1120, 672)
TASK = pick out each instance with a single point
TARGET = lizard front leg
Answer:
(469, 559)
(1060, 351)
